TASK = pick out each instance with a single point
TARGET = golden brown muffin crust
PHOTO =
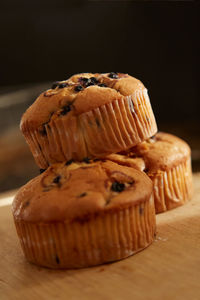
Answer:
(80, 189)
(161, 152)
(80, 93)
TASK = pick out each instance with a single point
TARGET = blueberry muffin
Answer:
(88, 115)
(167, 161)
(83, 214)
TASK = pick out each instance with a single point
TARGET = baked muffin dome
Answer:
(167, 161)
(88, 115)
(82, 214)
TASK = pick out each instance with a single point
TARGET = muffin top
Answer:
(76, 191)
(78, 94)
(159, 153)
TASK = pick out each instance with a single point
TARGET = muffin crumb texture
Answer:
(66, 191)
(84, 214)
(88, 115)
(166, 159)
(104, 172)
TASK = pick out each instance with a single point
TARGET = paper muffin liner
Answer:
(35, 147)
(110, 128)
(103, 238)
(174, 187)
(118, 125)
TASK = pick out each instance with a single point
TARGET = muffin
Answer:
(83, 214)
(88, 115)
(167, 161)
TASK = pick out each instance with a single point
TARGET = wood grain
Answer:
(168, 269)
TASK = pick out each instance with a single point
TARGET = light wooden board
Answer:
(168, 269)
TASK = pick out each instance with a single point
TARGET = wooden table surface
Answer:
(168, 269)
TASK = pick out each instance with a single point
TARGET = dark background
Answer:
(157, 42)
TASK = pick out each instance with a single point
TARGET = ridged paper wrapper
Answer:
(110, 128)
(105, 237)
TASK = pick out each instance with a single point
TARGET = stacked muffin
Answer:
(94, 138)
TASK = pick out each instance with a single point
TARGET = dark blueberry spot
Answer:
(69, 162)
(42, 170)
(57, 259)
(102, 85)
(43, 131)
(146, 170)
(83, 80)
(97, 122)
(93, 79)
(86, 160)
(57, 179)
(141, 211)
(113, 75)
(117, 186)
(62, 85)
(55, 84)
(78, 88)
(82, 195)
(89, 83)
(65, 110)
